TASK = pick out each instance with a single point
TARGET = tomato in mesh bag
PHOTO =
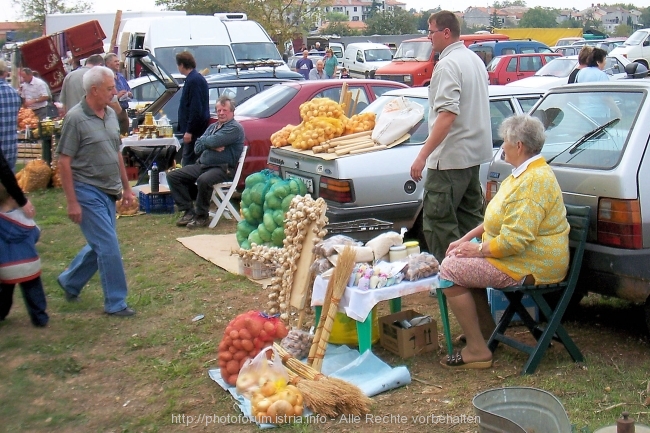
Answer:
(245, 336)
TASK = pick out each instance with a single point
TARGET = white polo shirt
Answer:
(33, 90)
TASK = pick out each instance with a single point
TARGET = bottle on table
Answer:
(155, 178)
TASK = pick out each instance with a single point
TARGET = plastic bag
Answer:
(396, 119)
(262, 373)
(325, 248)
(381, 244)
(297, 343)
(421, 266)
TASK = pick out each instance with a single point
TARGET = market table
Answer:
(156, 145)
(358, 304)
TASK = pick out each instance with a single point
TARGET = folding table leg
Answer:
(395, 305)
(444, 318)
(364, 334)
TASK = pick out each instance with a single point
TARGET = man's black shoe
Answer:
(185, 219)
(198, 222)
(127, 312)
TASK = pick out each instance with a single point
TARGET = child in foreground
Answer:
(19, 261)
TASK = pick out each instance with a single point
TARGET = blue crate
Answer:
(156, 202)
(498, 304)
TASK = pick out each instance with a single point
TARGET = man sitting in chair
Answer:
(218, 151)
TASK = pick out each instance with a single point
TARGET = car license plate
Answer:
(307, 181)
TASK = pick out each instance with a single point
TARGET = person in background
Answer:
(344, 73)
(72, 91)
(331, 63)
(304, 65)
(94, 178)
(318, 73)
(459, 141)
(19, 261)
(124, 94)
(35, 93)
(524, 239)
(9, 107)
(583, 58)
(194, 107)
(596, 61)
(219, 149)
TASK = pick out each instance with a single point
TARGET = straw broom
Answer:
(319, 329)
(339, 280)
(346, 397)
(316, 398)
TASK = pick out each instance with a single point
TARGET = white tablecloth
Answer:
(150, 142)
(356, 304)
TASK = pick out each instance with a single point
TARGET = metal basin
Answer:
(520, 410)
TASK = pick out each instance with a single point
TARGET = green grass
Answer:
(87, 372)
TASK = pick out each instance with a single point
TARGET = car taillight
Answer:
(490, 190)
(619, 223)
(340, 191)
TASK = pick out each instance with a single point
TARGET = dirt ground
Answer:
(90, 373)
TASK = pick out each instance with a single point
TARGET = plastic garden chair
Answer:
(223, 192)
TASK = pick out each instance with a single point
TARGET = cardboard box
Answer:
(498, 304)
(407, 342)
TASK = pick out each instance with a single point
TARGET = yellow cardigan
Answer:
(526, 227)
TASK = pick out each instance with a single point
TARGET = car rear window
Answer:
(492, 66)
(557, 68)
(588, 129)
(267, 103)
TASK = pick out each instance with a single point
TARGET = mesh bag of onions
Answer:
(245, 336)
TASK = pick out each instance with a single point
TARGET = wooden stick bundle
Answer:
(346, 150)
(339, 279)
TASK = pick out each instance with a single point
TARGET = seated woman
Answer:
(525, 237)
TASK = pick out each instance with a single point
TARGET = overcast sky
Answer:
(8, 13)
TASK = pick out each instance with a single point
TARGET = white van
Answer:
(214, 41)
(636, 48)
(363, 59)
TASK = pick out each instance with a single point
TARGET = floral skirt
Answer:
(474, 273)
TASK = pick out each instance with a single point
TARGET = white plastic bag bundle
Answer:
(396, 119)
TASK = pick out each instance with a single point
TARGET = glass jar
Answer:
(412, 248)
(397, 253)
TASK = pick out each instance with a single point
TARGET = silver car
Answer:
(597, 144)
(378, 185)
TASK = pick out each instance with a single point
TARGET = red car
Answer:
(512, 67)
(271, 110)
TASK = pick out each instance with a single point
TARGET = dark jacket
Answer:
(194, 107)
(230, 136)
(8, 180)
(19, 260)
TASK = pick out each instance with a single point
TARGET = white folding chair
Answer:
(222, 193)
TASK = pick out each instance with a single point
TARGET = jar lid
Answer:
(398, 248)
(411, 244)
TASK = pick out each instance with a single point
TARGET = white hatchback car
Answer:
(556, 72)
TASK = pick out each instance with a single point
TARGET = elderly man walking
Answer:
(94, 178)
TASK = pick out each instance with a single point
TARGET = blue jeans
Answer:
(102, 251)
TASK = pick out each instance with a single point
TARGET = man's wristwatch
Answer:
(480, 249)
